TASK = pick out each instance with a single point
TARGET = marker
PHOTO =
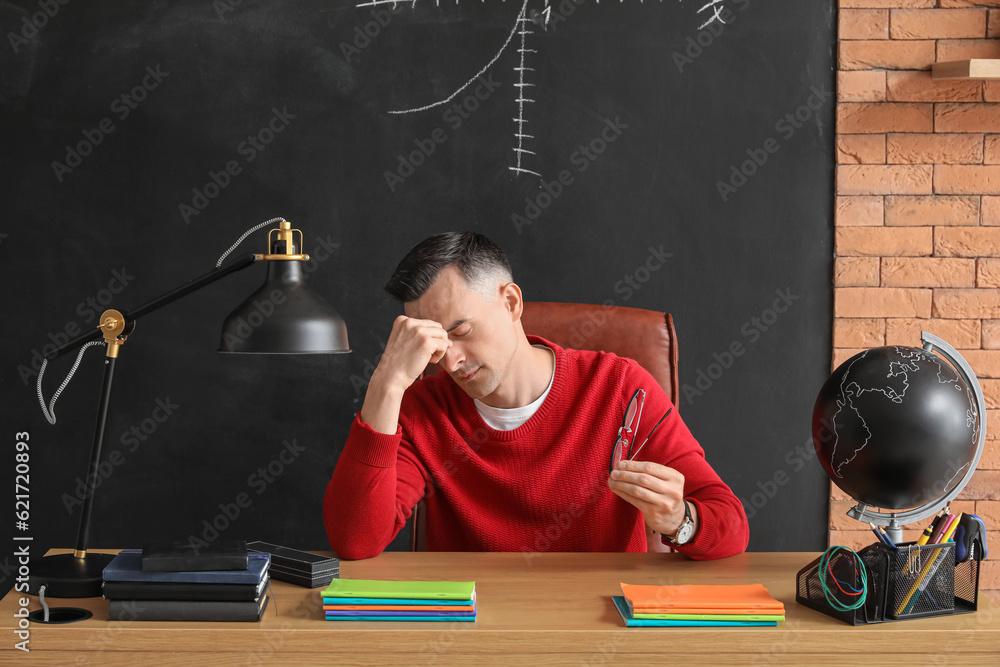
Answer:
(929, 530)
(950, 530)
(949, 527)
(938, 529)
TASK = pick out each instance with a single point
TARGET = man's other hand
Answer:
(655, 490)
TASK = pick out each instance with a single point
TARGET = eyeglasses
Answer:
(629, 428)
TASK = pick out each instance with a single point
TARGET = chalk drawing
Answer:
(522, 29)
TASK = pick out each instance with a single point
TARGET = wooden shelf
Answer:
(977, 68)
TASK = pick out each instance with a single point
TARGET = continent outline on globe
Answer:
(895, 438)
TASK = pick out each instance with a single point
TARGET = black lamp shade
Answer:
(284, 317)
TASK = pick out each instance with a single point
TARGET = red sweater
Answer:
(540, 487)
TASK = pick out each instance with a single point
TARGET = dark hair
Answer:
(475, 256)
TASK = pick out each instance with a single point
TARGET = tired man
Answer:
(516, 440)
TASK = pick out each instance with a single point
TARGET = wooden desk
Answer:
(535, 609)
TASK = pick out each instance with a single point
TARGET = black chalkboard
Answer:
(643, 153)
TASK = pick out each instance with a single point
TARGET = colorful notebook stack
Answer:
(375, 600)
(698, 605)
(160, 593)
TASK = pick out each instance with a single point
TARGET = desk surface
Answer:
(539, 609)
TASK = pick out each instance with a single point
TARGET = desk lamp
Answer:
(282, 317)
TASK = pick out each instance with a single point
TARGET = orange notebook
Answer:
(702, 611)
(396, 607)
(663, 599)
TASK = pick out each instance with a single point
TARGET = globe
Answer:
(896, 427)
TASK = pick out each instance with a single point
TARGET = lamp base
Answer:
(66, 576)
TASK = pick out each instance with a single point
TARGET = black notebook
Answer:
(182, 610)
(182, 556)
(145, 590)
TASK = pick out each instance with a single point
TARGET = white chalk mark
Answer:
(521, 99)
(521, 27)
(716, 13)
(373, 3)
(478, 74)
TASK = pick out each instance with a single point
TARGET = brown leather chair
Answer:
(644, 335)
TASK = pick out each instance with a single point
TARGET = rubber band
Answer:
(826, 565)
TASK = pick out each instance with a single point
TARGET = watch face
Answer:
(684, 534)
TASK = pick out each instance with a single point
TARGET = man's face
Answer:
(482, 332)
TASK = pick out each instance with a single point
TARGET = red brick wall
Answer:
(918, 208)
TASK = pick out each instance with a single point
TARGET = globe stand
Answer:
(892, 520)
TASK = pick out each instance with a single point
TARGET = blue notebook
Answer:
(127, 566)
(622, 606)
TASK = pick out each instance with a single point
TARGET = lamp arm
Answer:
(159, 302)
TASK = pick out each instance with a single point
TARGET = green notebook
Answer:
(406, 590)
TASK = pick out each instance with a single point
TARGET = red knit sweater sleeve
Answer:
(723, 527)
(383, 472)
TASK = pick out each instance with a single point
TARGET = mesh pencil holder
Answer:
(921, 580)
(908, 581)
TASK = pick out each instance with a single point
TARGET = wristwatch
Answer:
(686, 530)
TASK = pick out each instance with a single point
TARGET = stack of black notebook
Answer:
(299, 567)
(183, 582)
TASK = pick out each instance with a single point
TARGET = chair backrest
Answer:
(647, 336)
(644, 335)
